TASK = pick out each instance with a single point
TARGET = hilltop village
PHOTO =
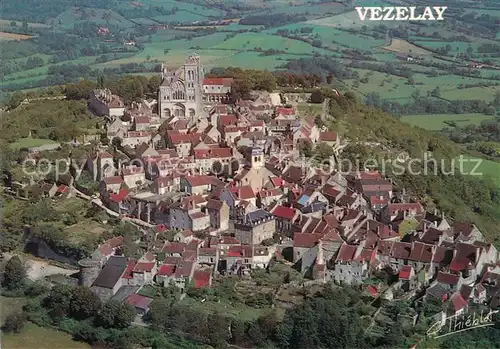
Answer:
(237, 195)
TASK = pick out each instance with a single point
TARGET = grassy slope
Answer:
(34, 336)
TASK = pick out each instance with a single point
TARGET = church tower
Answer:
(319, 268)
(193, 81)
(257, 158)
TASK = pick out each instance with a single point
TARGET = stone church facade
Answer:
(181, 92)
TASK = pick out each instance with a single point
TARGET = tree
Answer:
(84, 303)
(306, 149)
(318, 121)
(16, 99)
(116, 314)
(323, 151)
(154, 83)
(79, 90)
(14, 273)
(317, 96)
(59, 299)
(14, 322)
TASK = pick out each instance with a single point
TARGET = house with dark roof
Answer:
(108, 282)
(255, 227)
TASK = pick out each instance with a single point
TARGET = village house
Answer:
(199, 185)
(104, 103)
(187, 214)
(241, 259)
(134, 176)
(330, 138)
(219, 214)
(255, 227)
(233, 195)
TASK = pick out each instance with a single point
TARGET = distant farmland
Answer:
(437, 122)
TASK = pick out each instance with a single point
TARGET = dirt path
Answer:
(38, 269)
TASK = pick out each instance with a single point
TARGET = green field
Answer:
(338, 29)
(30, 142)
(485, 168)
(436, 122)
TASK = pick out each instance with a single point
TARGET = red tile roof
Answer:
(226, 82)
(242, 193)
(141, 120)
(404, 273)
(113, 180)
(142, 267)
(166, 270)
(458, 302)
(227, 120)
(346, 253)
(306, 240)
(393, 208)
(284, 212)
(372, 290)
(105, 155)
(201, 278)
(197, 181)
(120, 196)
(139, 301)
(446, 278)
(285, 111)
(328, 136)
(213, 153)
(127, 274)
(63, 189)
(180, 138)
(174, 247)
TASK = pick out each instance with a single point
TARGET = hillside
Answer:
(464, 196)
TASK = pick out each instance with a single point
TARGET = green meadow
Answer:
(437, 122)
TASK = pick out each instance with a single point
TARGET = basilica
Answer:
(184, 93)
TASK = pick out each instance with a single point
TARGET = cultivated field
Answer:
(168, 30)
(13, 36)
(7, 23)
(402, 46)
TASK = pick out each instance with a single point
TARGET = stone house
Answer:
(255, 227)
(167, 184)
(109, 280)
(219, 214)
(233, 195)
(199, 185)
(134, 176)
(185, 236)
(112, 184)
(284, 218)
(241, 259)
(136, 138)
(351, 265)
(331, 138)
